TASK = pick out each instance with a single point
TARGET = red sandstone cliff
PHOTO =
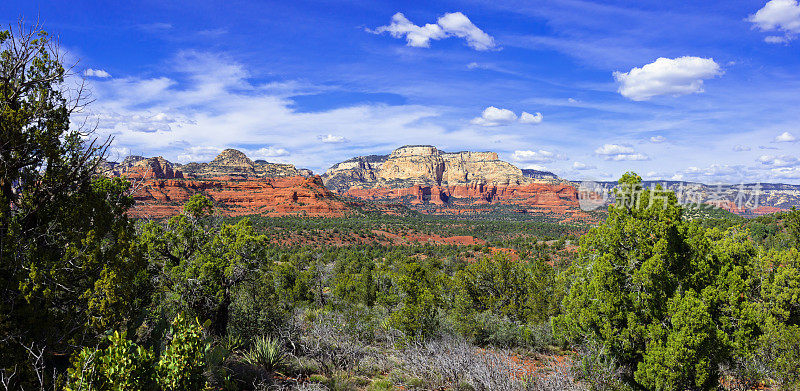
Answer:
(559, 198)
(158, 198)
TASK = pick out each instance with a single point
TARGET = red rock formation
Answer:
(152, 168)
(556, 197)
(158, 198)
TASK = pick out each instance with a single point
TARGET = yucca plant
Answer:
(266, 353)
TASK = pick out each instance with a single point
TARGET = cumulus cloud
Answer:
(453, 24)
(613, 149)
(528, 118)
(786, 173)
(785, 137)
(741, 148)
(459, 25)
(212, 103)
(782, 16)
(331, 139)
(779, 161)
(96, 73)
(582, 166)
(715, 173)
(658, 139)
(493, 116)
(666, 76)
(267, 152)
(540, 156)
(618, 152)
(198, 153)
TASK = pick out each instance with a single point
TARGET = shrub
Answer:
(455, 364)
(266, 353)
(327, 342)
(182, 363)
(121, 366)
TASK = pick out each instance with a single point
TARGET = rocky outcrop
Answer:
(537, 174)
(138, 167)
(536, 195)
(232, 162)
(236, 184)
(425, 165)
(306, 196)
(420, 175)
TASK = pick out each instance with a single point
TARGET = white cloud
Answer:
(628, 156)
(786, 173)
(613, 149)
(459, 25)
(715, 173)
(331, 139)
(267, 152)
(453, 24)
(778, 38)
(582, 166)
(96, 73)
(528, 118)
(198, 154)
(779, 161)
(212, 104)
(618, 152)
(540, 156)
(658, 139)
(741, 148)
(665, 76)
(785, 137)
(416, 36)
(493, 116)
(780, 16)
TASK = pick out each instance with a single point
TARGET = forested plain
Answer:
(655, 297)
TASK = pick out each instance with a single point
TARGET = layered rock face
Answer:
(296, 195)
(426, 175)
(235, 163)
(143, 168)
(236, 184)
(427, 166)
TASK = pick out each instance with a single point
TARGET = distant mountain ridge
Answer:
(465, 182)
(744, 199)
(426, 165)
(236, 184)
(418, 175)
(229, 162)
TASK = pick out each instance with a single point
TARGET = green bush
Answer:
(266, 353)
(121, 366)
(182, 364)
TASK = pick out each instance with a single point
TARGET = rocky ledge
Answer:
(281, 196)
(423, 174)
(426, 165)
(236, 184)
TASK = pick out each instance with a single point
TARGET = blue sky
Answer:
(704, 91)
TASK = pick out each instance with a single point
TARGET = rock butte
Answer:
(428, 175)
(238, 186)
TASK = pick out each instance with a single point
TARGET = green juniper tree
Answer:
(68, 269)
(652, 292)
